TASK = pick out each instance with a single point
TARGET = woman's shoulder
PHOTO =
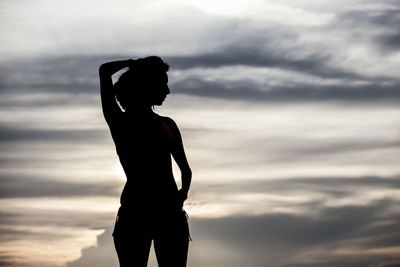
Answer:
(169, 127)
(169, 121)
(170, 124)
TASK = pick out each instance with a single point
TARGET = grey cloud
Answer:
(103, 254)
(7, 260)
(10, 133)
(248, 45)
(72, 88)
(279, 239)
(263, 150)
(255, 240)
(53, 217)
(350, 263)
(389, 18)
(74, 75)
(332, 228)
(385, 20)
(331, 186)
(391, 40)
(299, 92)
(332, 147)
(62, 70)
(316, 65)
(379, 16)
(79, 76)
(247, 89)
(8, 235)
(41, 160)
(304, 149)
(23, 187)
(373, 182)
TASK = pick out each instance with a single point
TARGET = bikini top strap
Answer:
(168, 131)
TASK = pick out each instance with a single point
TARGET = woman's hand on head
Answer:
(131, 62)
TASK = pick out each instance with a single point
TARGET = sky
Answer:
(289, 112)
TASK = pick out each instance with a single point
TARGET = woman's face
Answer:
(158, 89)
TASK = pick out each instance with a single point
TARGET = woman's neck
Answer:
(146, 112)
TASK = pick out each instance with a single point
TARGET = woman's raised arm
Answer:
(108, 102)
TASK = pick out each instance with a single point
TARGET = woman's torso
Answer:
(144, 150)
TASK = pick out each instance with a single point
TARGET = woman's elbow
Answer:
(187, 172)
(102, 69)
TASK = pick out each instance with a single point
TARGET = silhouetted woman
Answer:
(151, 204)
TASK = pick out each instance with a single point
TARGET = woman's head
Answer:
(144, 84)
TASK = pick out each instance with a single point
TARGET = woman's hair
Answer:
(132, 83)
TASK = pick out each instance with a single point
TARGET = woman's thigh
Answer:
(171, 243)
(171, 251)
(132, 249)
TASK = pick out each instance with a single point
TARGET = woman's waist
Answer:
(131, 207)
(156, 184)
(144, 195)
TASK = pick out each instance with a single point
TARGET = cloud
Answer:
(330, 186)
(289, 124)
(300, 92)
(7, 261)
(326, 53)
(385, 17)
(80, 78)
(31, 216)
(290, 236)
(257, 55)
(377, 24)
(285, 239)
(103, 254)
(391, 41)
(27, 187)
(18, 134)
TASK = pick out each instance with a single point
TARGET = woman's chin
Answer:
(159, 102)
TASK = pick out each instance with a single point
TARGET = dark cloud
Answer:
(54, 79)
(54, 217)
(368, 21)
(362, 263)
(279, 239)
(19, 133)
(379, 17)
(81, 75)
(23, 187)
(6, 260)
(248, 240)
(273, 47)
(287, 235)
(331, 147)
(306, 150)
(292, 150)
(298, 92)
(8, 235)
(316, 65)
(391, 40)
(103, 254)
(336, 187)
(332, 225)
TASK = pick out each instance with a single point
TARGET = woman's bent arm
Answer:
(179, 155)
(108, 102)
